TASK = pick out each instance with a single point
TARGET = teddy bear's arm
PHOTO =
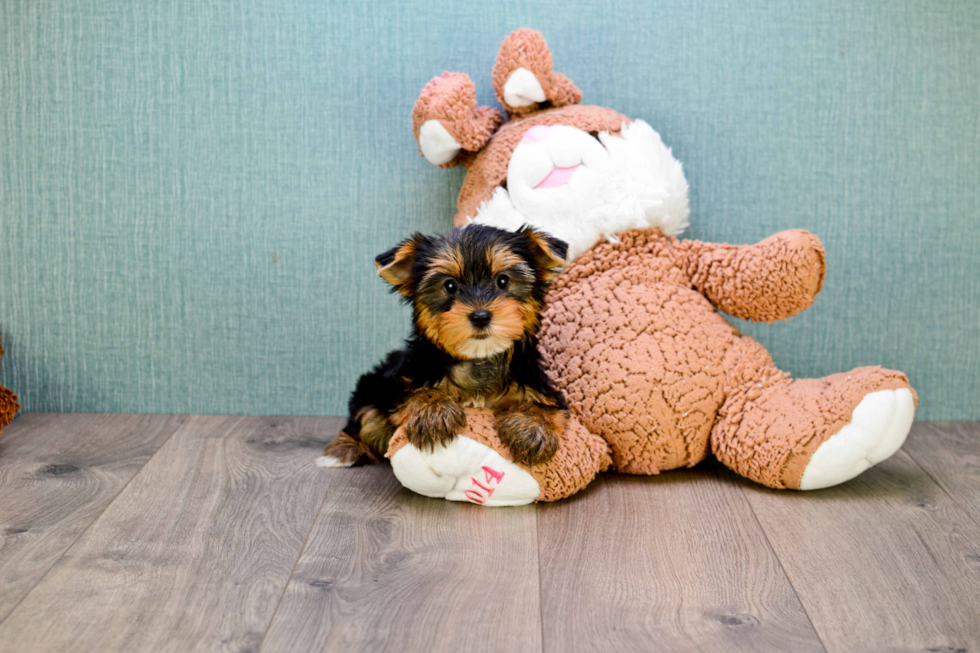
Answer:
(769, 281)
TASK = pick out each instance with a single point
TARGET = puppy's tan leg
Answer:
(345, 451)
(367, 446)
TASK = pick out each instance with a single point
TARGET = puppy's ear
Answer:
(395, 265)
(550, 253)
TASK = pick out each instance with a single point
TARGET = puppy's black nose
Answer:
(480, 318)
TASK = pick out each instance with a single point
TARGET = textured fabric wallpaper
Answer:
(192, 193)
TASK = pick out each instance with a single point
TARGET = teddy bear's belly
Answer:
(640, 364)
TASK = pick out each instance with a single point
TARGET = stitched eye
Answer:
(503, 281)
(450, 286)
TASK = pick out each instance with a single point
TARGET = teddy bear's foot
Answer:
(878, 428)
(808, 434)
(464, 470)
(476, 466)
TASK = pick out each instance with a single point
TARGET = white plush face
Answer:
(581, 188)
(555, 169)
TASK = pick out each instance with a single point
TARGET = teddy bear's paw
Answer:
(464, 470)
(878, 427)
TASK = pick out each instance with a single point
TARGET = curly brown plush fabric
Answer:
(451, 99)
(8, 403)
(771, 281)
(768, 430)
(646, 361)
(526, 48)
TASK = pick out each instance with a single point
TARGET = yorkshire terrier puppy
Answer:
(476, 295)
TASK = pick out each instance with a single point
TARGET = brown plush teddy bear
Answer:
(8, 403)
(654, 375)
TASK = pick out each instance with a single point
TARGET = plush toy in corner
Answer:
(632, 334)
(8, 403)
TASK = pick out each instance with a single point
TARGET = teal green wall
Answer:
(192, 193)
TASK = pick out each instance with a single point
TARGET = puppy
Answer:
(476, 295)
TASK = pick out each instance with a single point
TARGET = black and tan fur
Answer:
(454, 359)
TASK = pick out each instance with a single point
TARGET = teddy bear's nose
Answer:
(536, 134)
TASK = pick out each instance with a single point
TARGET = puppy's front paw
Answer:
(431, 417)
(531, 434)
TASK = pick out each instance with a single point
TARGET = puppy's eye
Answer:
(503, 281)
(450, 286)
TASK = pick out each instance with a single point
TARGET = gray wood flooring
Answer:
(191, 533)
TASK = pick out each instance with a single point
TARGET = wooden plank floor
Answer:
(162, 533)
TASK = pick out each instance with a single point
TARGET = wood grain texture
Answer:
(886, 562)
(57, 474)
(389, 570)
(950, 453)
(227, 538)
(675, 562)
(194, 554)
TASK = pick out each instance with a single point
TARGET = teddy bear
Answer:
(633, 333)
(8, 403)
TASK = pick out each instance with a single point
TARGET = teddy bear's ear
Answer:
(523, 77)
(395, 265)
(448, 124)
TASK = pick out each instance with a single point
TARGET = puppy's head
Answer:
(477, 290)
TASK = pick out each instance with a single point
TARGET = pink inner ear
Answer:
(536, 134)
